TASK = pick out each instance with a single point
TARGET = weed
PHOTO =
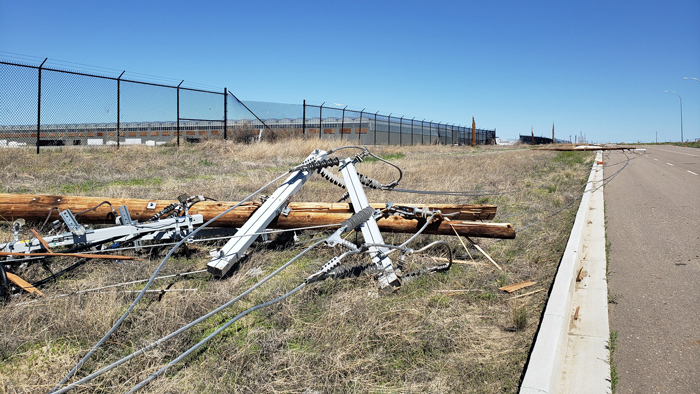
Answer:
(608, 271)
(613, 298)
(503, 279)
(519, 318)
(612, 345)
(487, 296)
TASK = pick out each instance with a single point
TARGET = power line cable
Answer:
(138, 298)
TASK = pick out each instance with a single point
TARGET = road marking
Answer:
(691, 172)
(670, 164)
(681, 153)
(656, 159)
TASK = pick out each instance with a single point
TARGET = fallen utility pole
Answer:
(35, 208)
(585, 148)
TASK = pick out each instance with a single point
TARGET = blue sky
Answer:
(596, 67)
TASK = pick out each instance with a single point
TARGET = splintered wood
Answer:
(517, 286)
(23, 283)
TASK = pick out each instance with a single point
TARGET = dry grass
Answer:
(334, 336)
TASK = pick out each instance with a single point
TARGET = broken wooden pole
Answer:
(37, 207)
(473, 132)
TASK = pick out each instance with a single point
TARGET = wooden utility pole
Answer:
(552, 132)
(36, 208)
(473, 132)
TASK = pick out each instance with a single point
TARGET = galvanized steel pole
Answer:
(119, 106)
(679, 97)
(178, 113)
(320, 120)
(342, 124)
(388, 129)
(359, 133)
(225, 112)
(38, 110)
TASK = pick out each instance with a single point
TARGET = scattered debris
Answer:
(483, 252)
(517, 286)
(24, 285)
(526, 294)
(456, 291)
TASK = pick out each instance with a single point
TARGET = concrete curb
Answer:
(570, 354)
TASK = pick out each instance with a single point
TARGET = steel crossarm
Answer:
(158, 230)
(370, 230)
(261, 218)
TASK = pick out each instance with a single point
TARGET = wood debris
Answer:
(517, 286)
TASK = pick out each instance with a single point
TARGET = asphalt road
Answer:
(653, 226)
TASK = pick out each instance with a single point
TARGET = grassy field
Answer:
(451, 332)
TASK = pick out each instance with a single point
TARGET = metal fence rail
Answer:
(42, 105)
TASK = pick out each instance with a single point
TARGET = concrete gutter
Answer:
(570, 353)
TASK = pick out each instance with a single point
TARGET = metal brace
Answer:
(370, 231)
(261, 218)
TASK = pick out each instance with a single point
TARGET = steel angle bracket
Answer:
(169, 228)
(72, 224)
(235, 248)
(370, 230)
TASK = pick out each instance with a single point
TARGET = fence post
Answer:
(225, 112)
(401, 131)
(320, 120)
(359, 132)
(412, 143)
(303, 119)
(388, 129)
(119, 101)
(178, 113)
(375, 127)
(342, 124)
(422, 132)
(38, 110)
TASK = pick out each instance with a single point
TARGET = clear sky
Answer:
(593, 67)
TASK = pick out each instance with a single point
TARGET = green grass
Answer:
(80, 187)
(614, 377)
(93, 186)
(571, 158)
(694, 144)
(138, 182)
(387, 157)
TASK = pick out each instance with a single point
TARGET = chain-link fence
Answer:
(42, 105)
(372, 128)
(45, 106)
